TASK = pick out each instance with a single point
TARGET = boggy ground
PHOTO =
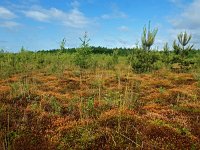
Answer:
(102, 109)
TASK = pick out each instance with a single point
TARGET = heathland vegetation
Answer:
(100, 98)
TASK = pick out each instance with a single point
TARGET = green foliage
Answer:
(20, 89)
(181, 49)
(184, 38)
(148, 37)
(115, 56)
(182, 52)
(56, 106)
(83, 57)
(22, 49)
(88, 107)
(176, 59)
(62, 44)
(197, 60)
(176, 47)
(166, 54)
(166, 49)
(111, 60)
(109, 64)
(2, 51)
(142, 61)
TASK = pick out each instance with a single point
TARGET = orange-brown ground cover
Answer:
(100, 110)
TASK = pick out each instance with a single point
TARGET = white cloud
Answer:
(7, 17)
(73, 18)
(9, 24)
(115, 14)
(188, 20)
(75, 4)
(178, 3)
(6, 14)
(37, 15)
(123, 28)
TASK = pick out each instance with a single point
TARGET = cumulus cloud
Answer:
(73, 18)
(188, 20)
(7, 17)
(75, 4)
(115, 14)
(6, 14)
(177, 2)
(9, 24)
(123, 28)
(76, 19)
(37, 15)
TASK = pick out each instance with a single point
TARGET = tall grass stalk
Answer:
(81, 95)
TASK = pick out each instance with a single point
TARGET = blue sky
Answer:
(42, 24)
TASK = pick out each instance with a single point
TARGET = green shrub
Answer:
(180, 48)
(142, 61)
(83, 55)
(148, 37)
(115, 57)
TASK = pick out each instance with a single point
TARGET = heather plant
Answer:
(56, 106)
(88, 107)
(20, 89)
(110, 105)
